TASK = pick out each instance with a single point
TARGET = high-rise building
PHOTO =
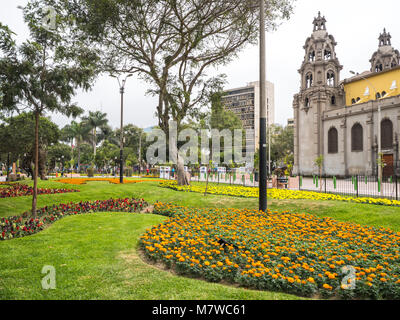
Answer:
(245, 103)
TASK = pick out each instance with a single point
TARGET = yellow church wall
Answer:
(381, 82)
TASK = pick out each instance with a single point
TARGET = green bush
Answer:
(90, 172)
(128, 172)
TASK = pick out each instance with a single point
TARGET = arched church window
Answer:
(357, 138)
(358, 99)
(330, 79)
(378, 95)
(309, 80)
(307, 103)
(353, 101)
(387, 134)
(327, 54)
(333, 100)
(383, 94)
(311, 56)
(333, 141)
(379, 67)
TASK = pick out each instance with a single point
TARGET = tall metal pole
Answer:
(121, 159)
(140, 152)
(263, 116)
(380, 174)
(8, 167)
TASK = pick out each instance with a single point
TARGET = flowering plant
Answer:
(23, 225)
(280, 194)
(280, 251)
(19, 190)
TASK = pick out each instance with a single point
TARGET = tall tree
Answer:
(79, 132)
(17, 139)
(171, 44)
(95, 120)
(43, 73)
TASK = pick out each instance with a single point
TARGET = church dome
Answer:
(386, 57)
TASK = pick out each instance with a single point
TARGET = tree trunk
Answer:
(207, 175)
(183, 177)
(78, 145)
(36, 171)
(94, 142)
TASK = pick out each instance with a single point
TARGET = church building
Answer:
(340, 119)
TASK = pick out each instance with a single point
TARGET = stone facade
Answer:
(346, 135)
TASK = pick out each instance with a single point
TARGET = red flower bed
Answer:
(20, 226)
(20, 190)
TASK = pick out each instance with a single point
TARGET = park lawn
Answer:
(96, 256)
(373, 215)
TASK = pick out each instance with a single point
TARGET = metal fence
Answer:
(356, 186)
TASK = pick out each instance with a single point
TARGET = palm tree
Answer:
(95, 120)
(79, 132)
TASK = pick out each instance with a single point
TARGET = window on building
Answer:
(333, 141)
(379, 67)
(358, 99)
(307, 103)
(330, 79)
(353, 101)
(309, 80)
(333, 100)
(383, 94)
(394, 64)
(327, 54)
(311, 56)
(387, 134)
(378, 95)
(357, 138)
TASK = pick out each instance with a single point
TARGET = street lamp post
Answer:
(62, 163)
(122, 91)
(263, 116)
(379, 124)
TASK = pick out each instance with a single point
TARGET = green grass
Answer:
(96, 256)
(379, 216)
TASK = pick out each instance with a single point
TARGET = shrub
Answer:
(90, 172)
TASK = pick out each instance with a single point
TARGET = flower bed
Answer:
(20, 226)
(80, 181)
(280, 194)
(19, 190)
(294, 253)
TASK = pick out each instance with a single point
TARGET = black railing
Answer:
(356, 186)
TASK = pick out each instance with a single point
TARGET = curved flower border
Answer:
(20, 190)
(279, 194)
(25, 224)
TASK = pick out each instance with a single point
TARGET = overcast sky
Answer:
(355, 24)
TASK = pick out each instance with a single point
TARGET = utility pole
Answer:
(140, 152)
(263, 116)
(121, 144)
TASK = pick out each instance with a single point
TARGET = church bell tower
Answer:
(319, 92)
